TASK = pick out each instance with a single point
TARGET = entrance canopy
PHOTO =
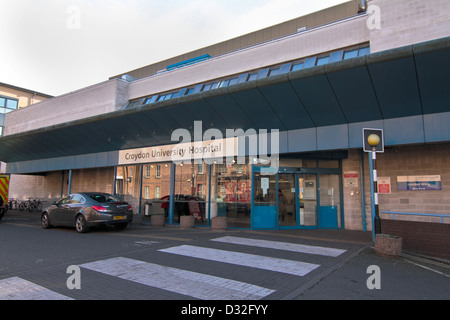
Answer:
(403, 91)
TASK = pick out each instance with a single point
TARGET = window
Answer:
(336, 56)
(297, 66)
(157, 192)
(146, 192)
(364, 51)
(224, 83)
(253, 76)
(158, 171)
(274, 72)
(310, 62)
(351, 54)
(9, 104)
(78, 199)
(200, 190)
(322, 61)
(147, 172)
(200, 168)
(233, 81)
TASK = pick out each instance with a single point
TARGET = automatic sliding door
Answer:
(287, 208)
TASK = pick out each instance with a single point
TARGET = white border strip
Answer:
(296, 268)
(16, 288)
(293, 247)
(184, 282)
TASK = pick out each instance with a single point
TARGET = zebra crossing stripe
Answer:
(193, 284)
(296, 268)
(19, 289)
(293, 247)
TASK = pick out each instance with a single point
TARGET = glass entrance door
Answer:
(287, 204)
(307, 200)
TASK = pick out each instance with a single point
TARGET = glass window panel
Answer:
(298, 66)
(1, 131)
(2, 102)
(11, 104)
(263, 73)
(187, 201)
(207, 87)
(233, 81)
(231, 193)
(336, 56)
(286, 68)
(322, 61)
(274, 72)
(224, 83)
(310, 62)
(253, 77)
(156, 188)
(364, 51)
(128, 185)
(243, 78)
(215, 85)
(351, 54)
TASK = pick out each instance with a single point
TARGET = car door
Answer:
(58, 211)
(70, 209)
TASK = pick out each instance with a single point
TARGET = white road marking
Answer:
(16, 288)
(296, 268)
(324, 251)
(184, 282)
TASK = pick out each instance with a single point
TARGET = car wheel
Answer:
(80, 224)
(45, 222)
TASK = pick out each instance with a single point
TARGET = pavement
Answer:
(360, 274)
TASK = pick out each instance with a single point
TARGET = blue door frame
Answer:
(265, 217)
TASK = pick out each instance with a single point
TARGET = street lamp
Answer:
(374, 140)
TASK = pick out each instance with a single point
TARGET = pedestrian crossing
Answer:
(188, 283)
(16, 288)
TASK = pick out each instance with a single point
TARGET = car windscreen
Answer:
(103, 198)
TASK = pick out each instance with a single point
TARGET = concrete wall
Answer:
(339, 12)
(48, 188)
(328, 38)
(406, 22)
(102, 98)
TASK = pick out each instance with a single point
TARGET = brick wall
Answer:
(431, 239)
(432, 159)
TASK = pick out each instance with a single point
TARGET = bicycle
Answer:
(13, 204)
(30, 205)
(35, 204)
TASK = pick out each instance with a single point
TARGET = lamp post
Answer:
(374, 140)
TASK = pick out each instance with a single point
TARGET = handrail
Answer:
(442, 216)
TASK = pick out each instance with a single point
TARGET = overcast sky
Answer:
(58, 46)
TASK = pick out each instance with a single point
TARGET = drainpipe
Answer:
(69, 187)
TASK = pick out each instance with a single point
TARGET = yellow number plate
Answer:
(120, 217)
